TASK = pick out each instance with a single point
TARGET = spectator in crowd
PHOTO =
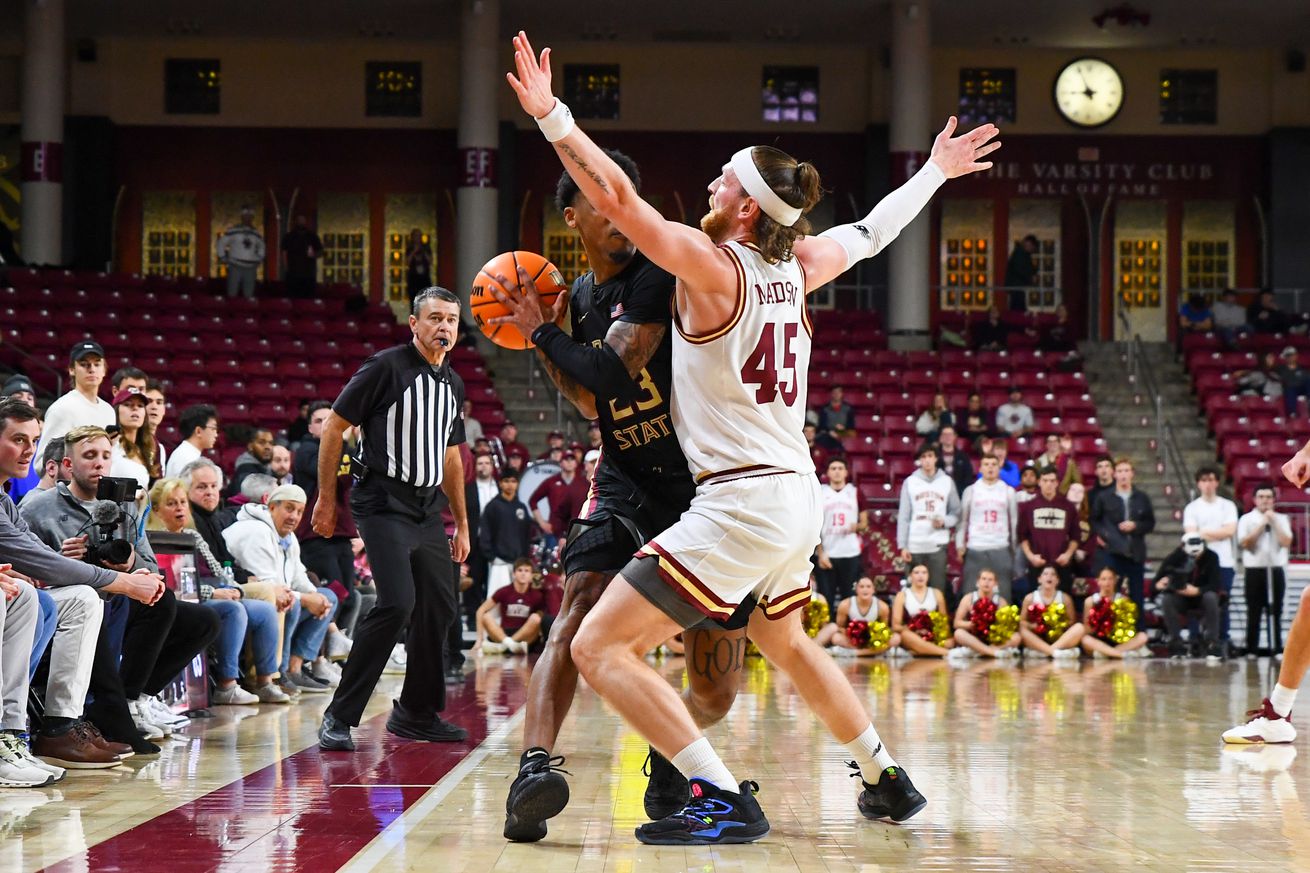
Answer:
(52, 464)
(1188, 579)
(566, 495)
(932, 419)
(199, 427)
(300, 425)
(1048, 593)
(860, 606)
(838, 554)
(477, 495)
(1107, 590)
(19, 387)
(1059, 336)
(1264, 535)
(817, 452)
(418, 264)
(1015, 418)
(241, 249)
(1195, 315)
(507, 446)
(1122, 518)
(1059, 454)
(331, 559)
(472, 427)
(1294, 378)
(593, 435)
(1264, 380)
(504, 532)
(81, 405)
(156, 408)
(985, 537)
(65, 739)
(1264, 316)
(554, 443)
(1027, 489)
(520, 605)
(262, 539)
(1104, 479)
(128, 378)
(911, 600)
(280, 466)
(1010, 473)
(836, 419)
(1021, 272)
(257, 458)
(967, 636)
(134, 443)
(1229, 316)
(590, 460)
(1085, 555)
(1215, 519)
(929, 508)
(160, 636)
(974, 422)
(1048, 532)
(991, 335)
(170, 510)
(953, 459)
(301, 249)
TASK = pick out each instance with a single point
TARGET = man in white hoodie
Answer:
(930, 507)
(985, 536)
(263, 540)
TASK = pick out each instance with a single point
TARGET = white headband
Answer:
(749, 175)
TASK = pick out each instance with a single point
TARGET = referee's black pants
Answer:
(410, 560)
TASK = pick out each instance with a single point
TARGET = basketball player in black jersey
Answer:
(616, 367)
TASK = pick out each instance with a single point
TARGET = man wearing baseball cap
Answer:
(81, 405)
(19, 387)
(1295, 380)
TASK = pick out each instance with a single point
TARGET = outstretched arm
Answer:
(833, 252)
(684, 251)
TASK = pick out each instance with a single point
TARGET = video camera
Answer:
(106, 543)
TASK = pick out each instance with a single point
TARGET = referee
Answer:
(407, 404)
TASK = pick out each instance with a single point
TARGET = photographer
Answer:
(159, 638)
(1264, 536)
(1187, 579)
(65, 738)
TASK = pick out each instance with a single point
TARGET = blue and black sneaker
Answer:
(894, 797)
(711, 816)
(666, 792)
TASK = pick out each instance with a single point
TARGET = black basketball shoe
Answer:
(711, 816)
(539, 792)
(894, 797)
(667, 790)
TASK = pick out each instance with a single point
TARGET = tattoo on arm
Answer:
(635, 344)
(576, 394)
(584, 167)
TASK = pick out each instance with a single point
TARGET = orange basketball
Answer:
(484, 306)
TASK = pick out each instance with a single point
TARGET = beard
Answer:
(716, 224)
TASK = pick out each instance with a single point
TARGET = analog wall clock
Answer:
(1088, 92)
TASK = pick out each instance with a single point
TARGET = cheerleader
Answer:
(1046, 596)
(967, 633)
(861, 607)
(1100, 621)
(909, 604)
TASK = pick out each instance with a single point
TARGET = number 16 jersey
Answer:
(739, 392)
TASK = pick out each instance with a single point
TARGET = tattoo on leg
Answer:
(726, 655)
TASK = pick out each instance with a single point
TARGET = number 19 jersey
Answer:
(739, 392)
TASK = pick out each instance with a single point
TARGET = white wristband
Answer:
(557, 123)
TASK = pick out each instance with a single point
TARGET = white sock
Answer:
(872, 756)
(1281, 699)
(700, 761)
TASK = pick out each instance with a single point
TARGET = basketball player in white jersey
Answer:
(740, 366)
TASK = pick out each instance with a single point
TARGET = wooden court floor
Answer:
(1027, 767)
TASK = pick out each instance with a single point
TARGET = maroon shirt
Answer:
(516, 608)
(566, 500)
(1048, 525)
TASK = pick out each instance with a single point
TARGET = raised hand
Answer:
(959, 155)
(1297, 470)
(527, 310)
(532, 84)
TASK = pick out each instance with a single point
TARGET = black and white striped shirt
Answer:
(409, 413)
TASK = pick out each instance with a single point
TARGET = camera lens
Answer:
(115, 551)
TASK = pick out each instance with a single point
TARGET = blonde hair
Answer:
(160, 492)
(82, 434)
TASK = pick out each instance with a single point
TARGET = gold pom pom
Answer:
(1125, 621)
(1005, 625)
(1057, 620)
(816, 615)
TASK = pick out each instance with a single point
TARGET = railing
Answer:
(1169, 455)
